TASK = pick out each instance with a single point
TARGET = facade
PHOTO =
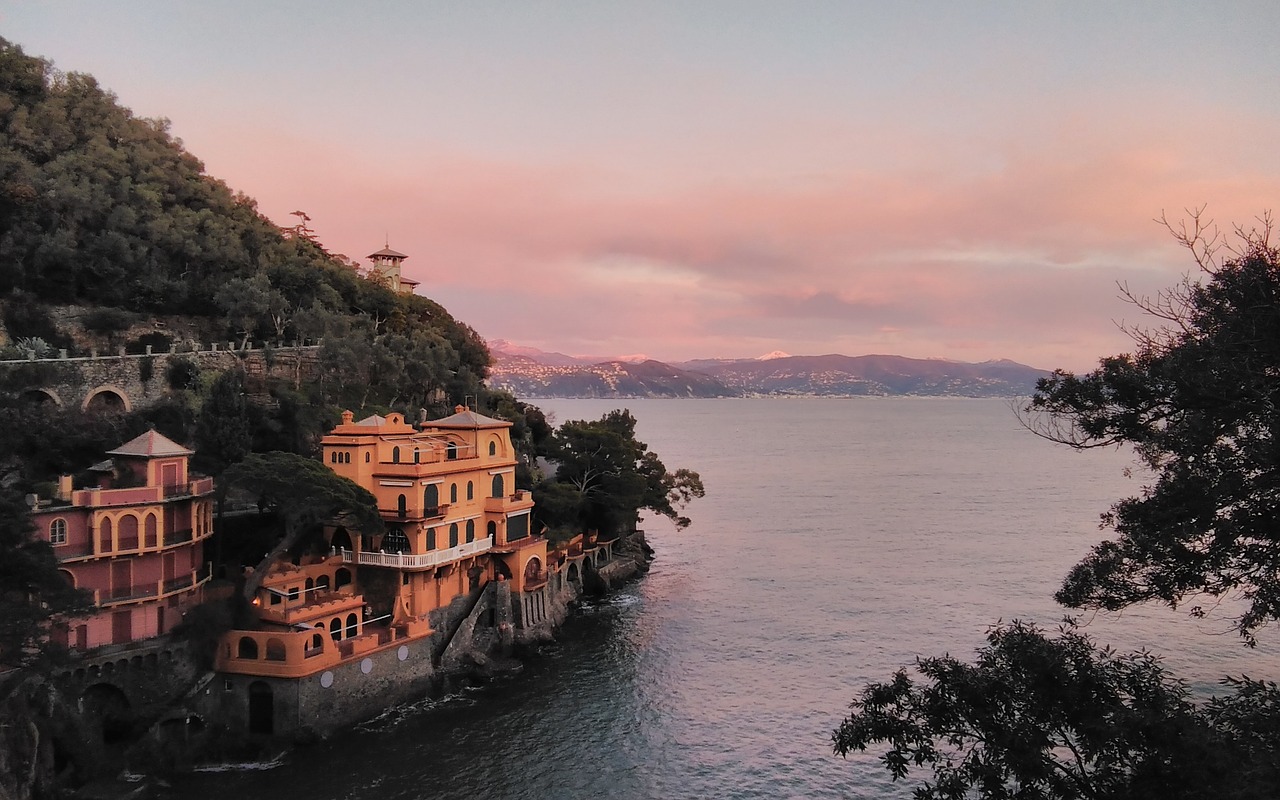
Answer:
(386, 265)
(135, 541)
(454, 523)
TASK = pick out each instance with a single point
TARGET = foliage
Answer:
(101, 208)
(222, 435)
(605, 476)
(1197, 400)
(304, 494)
(1057, 717)
(32, 589)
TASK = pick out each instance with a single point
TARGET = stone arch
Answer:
(41, 395)
(106, 398)
(574, 577)
(248, 648)
(108, 707)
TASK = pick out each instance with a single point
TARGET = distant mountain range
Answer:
(528, 372)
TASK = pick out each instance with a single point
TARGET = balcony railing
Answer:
(177, 537)
(418, 560)
(145, 591)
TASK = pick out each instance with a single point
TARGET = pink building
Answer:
(135, 542)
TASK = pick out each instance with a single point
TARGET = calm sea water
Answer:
(839, 540)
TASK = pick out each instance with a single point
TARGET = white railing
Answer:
(418, 560)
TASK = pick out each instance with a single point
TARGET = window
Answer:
(402, 507)
(395, 541)
(395, 455)
(430, 501)
(453, 535)
(492, 529)
(471, 530)
(453, 493)
(417, 456)
(346, 458)
(471, 490)
(366, 458)
(58, 531)
(431, 538)
(493, 448)
(333, 458)
(498, 487)
(451, 452)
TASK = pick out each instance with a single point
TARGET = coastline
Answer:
(149, 711)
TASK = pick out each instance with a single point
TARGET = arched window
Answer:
(401, 507)
(366, 457)
(431, 501)
(322, 583)
(333, 457)
(453, 534)
(492, 529)
(58, 531)
(346, 458)
(498, 487)
(352, 625)
(248, 648)
(310, 585)
(335, 628)
(151, 536)
(105, 545)
(275, 650)
(471, 490)
(128, 533)
(493, 448)
(341, 578)
(431, 538)
(395, 455)
(453, 493)
(471, 530)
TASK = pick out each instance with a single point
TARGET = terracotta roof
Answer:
(386, 252)
(467, 419)
(375, 421)
(150, 445)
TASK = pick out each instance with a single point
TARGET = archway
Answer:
(574, 577)
(106, 399)
(40, 397)
(108, 707)
(341, 540)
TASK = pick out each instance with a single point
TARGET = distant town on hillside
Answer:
(532, 373)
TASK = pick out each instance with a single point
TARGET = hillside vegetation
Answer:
(111, 234)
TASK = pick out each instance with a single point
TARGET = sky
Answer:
(968, 181)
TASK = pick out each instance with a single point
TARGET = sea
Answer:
(840, 540)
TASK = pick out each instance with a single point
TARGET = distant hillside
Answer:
(871, 375)
(530, 372)
(524, 376)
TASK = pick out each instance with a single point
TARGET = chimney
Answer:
(64, 488)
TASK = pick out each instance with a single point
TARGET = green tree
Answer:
(1042, 717)
(612, 475)
(223, 436)
(32, 589)
(304, 494)
(1039, 716)
(1197, 400)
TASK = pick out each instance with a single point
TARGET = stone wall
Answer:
(133, 382)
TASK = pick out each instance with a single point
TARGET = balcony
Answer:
(104, 598)
(510, 502)
(426, 560)
(177, 537)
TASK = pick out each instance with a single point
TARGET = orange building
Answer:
(135, 541)
(454, 522)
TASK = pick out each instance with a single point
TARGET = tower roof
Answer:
(150, 445)
(466, 418)
(387, 252)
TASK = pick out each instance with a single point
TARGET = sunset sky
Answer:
(723, 179)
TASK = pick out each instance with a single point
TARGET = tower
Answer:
(386, 264)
